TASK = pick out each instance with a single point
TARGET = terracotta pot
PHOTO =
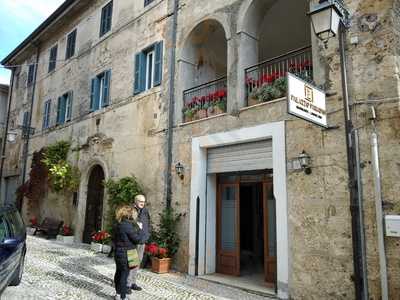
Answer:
(252, 101)
(160, 265)
(202, 113)
(218, 110)
(187, 119)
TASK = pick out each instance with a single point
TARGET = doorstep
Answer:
(240, 283)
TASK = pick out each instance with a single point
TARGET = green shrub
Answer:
(120, 192)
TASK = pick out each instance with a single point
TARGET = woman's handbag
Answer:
(133, 258)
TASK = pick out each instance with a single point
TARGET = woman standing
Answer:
(126, 236)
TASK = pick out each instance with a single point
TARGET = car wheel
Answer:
(18, 274)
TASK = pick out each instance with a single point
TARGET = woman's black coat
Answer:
(126, 235)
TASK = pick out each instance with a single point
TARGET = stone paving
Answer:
(58, 271)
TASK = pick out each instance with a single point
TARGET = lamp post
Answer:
(329, 19)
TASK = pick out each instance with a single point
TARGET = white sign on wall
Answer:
(306, 101)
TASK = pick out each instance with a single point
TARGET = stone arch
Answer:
(268, 29)
(204, 54)
(86, 171)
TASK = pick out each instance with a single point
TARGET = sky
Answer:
(18, 19)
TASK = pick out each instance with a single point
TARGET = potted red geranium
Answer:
(160, 262)
(66, 235)
(100, 241)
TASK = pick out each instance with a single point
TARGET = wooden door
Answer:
(94, 203)
(228, 229)
(269, 234)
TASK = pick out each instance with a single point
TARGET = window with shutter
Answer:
(147, 2)
(31, 73)
(106, 18)
(71, 41)
(148, 68)
(46, 114)
(100, 91)
(64, 108)
(53, 58)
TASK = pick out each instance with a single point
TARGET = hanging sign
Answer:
(306, 101)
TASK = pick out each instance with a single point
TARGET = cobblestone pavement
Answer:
(57, 271)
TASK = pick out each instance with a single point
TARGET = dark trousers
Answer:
(121, 273)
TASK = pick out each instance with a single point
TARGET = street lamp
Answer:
(326, 18)
(330, 18)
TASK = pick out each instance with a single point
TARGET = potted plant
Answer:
(33, 223)
(100, 241)
(66, 235)
(165, 241)
(160, 262)
(188, 114)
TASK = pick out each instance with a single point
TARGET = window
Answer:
(147, 2)
(71, 40)
(106, 17)
(100, 91)
(148, 68)
(64, 108)
(31, 73)
(46, 114)
(53, 58)
(25, 121)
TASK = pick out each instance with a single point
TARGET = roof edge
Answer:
(58, 12)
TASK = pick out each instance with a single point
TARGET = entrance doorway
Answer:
(94, 203)
(246, 227)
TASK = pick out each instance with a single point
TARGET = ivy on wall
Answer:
(63, 176)
(50, 168)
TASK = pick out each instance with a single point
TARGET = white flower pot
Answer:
(65, 239)
(30, 230)
(106, 249)
(96, 247)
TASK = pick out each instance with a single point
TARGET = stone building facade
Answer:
(239, 155)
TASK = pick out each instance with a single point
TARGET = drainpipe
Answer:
(3, 148)
(378, 207)
(28, 130)
(171, 105)
(359, 271)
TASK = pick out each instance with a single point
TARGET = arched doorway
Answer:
(94, 203)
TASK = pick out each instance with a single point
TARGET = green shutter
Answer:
(137, 89)
(158, 63)
(59, 105)
(106, 88)
(93, 94)
(69, 108)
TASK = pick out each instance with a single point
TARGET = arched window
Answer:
(203, 70)
(277, 37)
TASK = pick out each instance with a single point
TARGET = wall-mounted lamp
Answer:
(179, 168)
(326, 18)
(305, 162)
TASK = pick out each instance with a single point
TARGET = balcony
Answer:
(267, 80)
(204, 101)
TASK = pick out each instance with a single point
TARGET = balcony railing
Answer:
(267, 80)
(204, 101)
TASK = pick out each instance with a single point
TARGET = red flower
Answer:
(33, 221)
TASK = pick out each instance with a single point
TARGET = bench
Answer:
(49, 226)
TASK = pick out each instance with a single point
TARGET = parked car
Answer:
(12, 247)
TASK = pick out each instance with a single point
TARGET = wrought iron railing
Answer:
(267, 80)
(205, 100)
